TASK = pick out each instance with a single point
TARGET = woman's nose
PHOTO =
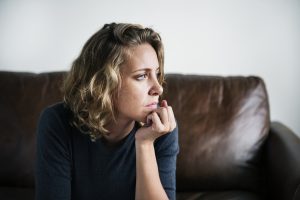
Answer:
(156, 89)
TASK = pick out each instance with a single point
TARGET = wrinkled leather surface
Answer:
(223, 122)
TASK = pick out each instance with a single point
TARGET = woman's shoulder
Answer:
(57, 110)
(58, 107)
(55, 117)
(53, 131)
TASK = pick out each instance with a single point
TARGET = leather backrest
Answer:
(223, 122)
(22, 97)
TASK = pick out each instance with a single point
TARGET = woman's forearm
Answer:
(148, 184)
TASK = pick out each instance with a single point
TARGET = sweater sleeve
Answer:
(167, 149)
(53, 159)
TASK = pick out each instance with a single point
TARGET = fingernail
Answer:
(164, 103)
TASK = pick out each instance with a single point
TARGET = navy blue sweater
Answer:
(70, 166)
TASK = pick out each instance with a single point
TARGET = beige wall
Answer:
(233, 37)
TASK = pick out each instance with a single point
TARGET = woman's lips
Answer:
(152, 105)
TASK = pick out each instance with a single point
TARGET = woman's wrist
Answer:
(143, 142)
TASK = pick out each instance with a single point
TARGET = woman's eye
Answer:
(158, 74)
(141, 77)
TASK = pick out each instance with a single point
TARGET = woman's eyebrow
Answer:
(145, 69)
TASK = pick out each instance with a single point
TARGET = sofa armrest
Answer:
(283, 163)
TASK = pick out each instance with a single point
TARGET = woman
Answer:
(109, 139)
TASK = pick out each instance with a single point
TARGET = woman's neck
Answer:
(118, 130)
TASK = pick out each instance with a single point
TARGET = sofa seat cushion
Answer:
(217, 195)
(16, 193)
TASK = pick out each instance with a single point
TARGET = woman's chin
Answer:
(142, 120)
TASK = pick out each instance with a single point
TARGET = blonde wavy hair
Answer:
(91, 86)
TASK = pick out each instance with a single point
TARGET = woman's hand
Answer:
(159, 122)
(148, 183)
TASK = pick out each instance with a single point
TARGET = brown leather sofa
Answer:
(229, 149)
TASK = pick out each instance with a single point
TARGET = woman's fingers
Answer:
(156, 123)
(172, 120)
(164, 103)
(164, 118)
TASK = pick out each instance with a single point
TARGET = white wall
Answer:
(218, 37)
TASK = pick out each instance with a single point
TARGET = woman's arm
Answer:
(52, 159)
(148, 183)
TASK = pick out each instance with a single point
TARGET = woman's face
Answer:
(140, 89)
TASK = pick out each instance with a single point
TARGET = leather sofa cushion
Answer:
(23, 96)
(15, 193)
(217, 195)
(223, 122)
